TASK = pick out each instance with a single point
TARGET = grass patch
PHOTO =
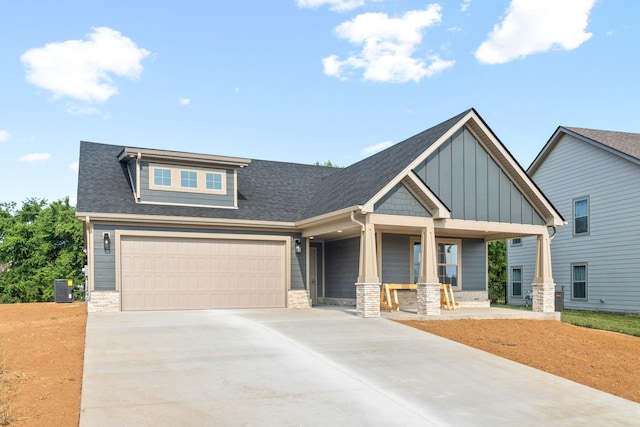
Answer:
(513, 307)
(624, 323)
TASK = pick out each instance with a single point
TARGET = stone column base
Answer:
(368, 299)
(543, 297)
(103, 301)
(428, 299)
(298, 299)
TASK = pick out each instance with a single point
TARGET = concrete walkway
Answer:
(314, 367)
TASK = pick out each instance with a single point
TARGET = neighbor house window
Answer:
(579, 281)
(516, 281)
(214, 181)
(449, 262)
(516, 242)
(162, 177)
(188, 179)
(581, 216)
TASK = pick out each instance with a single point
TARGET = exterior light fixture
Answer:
(106, 240)
(297, 245)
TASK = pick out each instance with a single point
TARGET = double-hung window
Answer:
(579, 281)
(516, 281)
(581, 216)
(449, 262)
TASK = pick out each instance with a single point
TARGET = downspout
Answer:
(138, 160)
(89, 270)
(555, 231)
(353, 219)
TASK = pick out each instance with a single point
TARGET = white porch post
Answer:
(428, 292)
(543, 284)
(368, 285)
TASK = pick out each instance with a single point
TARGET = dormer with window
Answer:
(175, 178)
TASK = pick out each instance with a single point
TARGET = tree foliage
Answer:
(39, 242)
(497, 258)
(327, 164)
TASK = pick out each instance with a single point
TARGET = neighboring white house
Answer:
(592, 177)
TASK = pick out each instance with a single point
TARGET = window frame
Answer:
(587, 216)
(586, 281)
(176, 179)
(188, 179)
(412, 266)
(458, 264)
(206, 181)
(512, 281)
(514, 243)
(153, 177)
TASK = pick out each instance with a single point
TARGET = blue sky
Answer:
(300, 80)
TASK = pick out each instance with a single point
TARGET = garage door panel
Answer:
(178, 273)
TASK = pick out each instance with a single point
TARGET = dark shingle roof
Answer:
(268, 191)
(358, 183)
(627, 143)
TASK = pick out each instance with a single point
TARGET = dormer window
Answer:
(162, 177)
(188, 179)
(214, 181)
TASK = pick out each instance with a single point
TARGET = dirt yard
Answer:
(42, 349)
(42, 352)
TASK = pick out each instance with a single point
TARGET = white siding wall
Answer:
(572, 170)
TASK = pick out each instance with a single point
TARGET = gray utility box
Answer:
(559, 301)
(63, 290)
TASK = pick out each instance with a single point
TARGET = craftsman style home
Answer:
(175, 230)
(592, 177)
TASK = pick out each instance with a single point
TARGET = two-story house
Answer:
(592, 177)
(175, 230)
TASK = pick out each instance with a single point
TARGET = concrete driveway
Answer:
(314, 367)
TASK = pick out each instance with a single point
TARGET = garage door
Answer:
(181, 273)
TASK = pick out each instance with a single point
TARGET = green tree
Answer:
(497, 258)
(39, 242)
(326, 164)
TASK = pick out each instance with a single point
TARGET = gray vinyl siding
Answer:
(341, 268)
(396, 258)
(186, 198)
(465, 177)
(319, 265)
(474, 265)
(105, 263)
(575, 169)
(400, 201)
(523, 256)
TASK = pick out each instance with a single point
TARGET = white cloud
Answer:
(335, 5)
(534, 27)
(83, 69)
(465, 5)
(388, 45)
(4, 135)
(35, 157)
(184, 101)
(74, 166)
(376, 147)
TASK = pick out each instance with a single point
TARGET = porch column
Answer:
(428, 293)
(543, 284)
(368, 285)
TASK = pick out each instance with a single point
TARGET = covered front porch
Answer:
(349, 260)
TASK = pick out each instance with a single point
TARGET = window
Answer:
(579, 281)
(214, 181)
(581, 216)
(417, 255)
(162, 177)
(516, 281)
(188, 179)
(516, 242)
(448, 262)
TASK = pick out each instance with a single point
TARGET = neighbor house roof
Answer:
(623, 144)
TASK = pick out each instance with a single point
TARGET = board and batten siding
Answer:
(342, 259)
(396, 258)
(105, 262)
(474, 265)
(472, 185)
(572, 170)
(184, 197)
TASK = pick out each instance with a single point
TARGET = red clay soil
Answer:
(41, 355)
(603, 360)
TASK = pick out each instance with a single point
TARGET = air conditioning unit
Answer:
(63, 290)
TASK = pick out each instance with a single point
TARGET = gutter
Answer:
(353, 219)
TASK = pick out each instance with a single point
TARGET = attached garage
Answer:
(176, 273)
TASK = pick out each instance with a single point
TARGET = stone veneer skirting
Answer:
(368, 299)
(298, 299)
(341, 302)
(428, 299)
(103, 301)
(543, 297)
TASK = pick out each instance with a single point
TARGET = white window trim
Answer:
(573, 211)
(586, 281)
(152, 178)
(176, 180)
(517, 267)
(459, 263)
